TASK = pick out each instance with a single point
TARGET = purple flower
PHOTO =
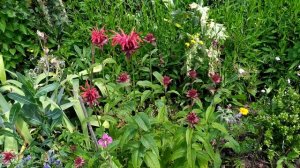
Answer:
(46, 165)
(105, 140)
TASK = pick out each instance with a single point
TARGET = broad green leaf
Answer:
(2, 70)
(2, 24)
(178, 153)
(31, 114)
(5, 107)
(12, 89)
(144, 83)
(23, 130)
(152, 160)
(19, 98)
(146, 94)
(140, 122)
(219, 127)
(190, 160)
(48, 88)
(209, 112)
(217, 160)
(232, 143)
(128, 134)
(208, 148)
(14, 112)
(158, 76)
(149, 143)
(136, 159)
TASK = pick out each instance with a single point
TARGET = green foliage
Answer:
(17, 32)
(279, 120)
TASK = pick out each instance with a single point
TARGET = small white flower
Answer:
(289, 81)
(241, 71)
(298, 66)
(263, 91)
(40, 34)
(277, 58)
(298, 73)
(193, 5)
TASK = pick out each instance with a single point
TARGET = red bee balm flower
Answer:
(129, 43)
(123, 78)
(166, 81)
(90, 94)
(192, 118)
(215, 77)
(150, 38)
(99, 38)
(78, 162)
(192, 94)
(192, 74)
(7, 157)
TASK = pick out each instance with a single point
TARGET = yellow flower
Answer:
(201, 42)
(193, 41)
(178, 25)
(244, 111)
(187, 44)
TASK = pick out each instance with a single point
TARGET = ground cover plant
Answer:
(149, 84)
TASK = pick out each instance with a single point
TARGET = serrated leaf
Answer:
(151, 160)
(140, 122)
(48, 88)
(136, 159)
(179, 153)
(149, 143)
(19, 98)
(14, 112)
(146, 94)
(219, 127)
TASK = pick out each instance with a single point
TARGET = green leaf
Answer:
(232, 143)
(2, 24)
(144, 83)
(146, 94)
(140, 122)
(152, 160)
(14, 112)
(2, 70)
(149, 143)
(217, 160)
(179, 153)
(136, 159)
(158, 76)
(209, 112)
(48, 88)
(128, 134)
(219, 127)
(19, 98)
(31, 114)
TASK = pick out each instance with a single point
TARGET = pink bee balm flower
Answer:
(192, 94)
(79, 161)
(215, 77)
(105, 140)
(123, 78)
(192, 118)
(7, 157)
(150, 38)
(166, 81)
(192, 74)
(99, 38)
(90, 94)
(129, 43)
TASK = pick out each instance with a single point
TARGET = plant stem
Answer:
(88, 123)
